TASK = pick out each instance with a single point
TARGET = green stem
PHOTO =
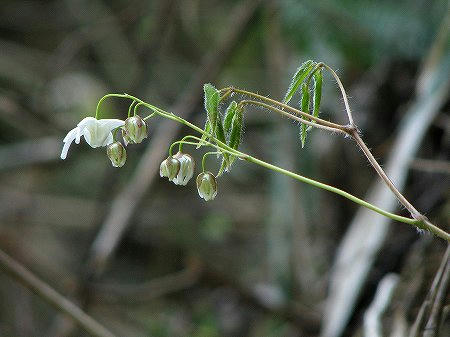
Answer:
(129, 109)
(179, 142)
(332, 189)
(136, 108)
(204, 158)
(97, 110)
(418, 223)
(288, 115)
(318, 120)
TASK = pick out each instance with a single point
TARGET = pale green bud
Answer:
(134, 130)
(187, 166)
(117, 154)
(169, 168)
(207, 186)
(126, 139)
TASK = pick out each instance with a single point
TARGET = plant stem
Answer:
(288, 115)
(205, 156)
(419, 221)
(97, 110)
(344, 94)
(287, 107)
(331, 189)
(43, 290)
(131, 106)
(357, 138)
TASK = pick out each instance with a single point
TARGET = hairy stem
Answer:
(286, 107)
(288, 115)
(357, 138)
(419, 221)
(344, 94)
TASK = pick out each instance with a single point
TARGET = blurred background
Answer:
(269, 256)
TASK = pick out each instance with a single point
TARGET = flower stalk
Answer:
(206, 181)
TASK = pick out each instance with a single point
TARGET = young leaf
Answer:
(229, 114)
(298, 78)
(211, 105)
(236, 128)
(304, 102)
(236, 132)
(317, 92)
(207, 129)
(223, 167)
(220, 133)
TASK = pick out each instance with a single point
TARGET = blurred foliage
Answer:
(265, 243)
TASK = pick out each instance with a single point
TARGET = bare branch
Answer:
(43, 290)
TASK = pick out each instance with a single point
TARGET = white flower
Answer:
(207, 186)
(96, 132)
(186, 171)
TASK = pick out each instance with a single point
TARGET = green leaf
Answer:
(298, 78)
(236, 131)
(317, 92)
(304, 102)
(211, 105)
(220, 135)
(220, 132)
(207, 129)
(229, 114)
(236, 128)
(224, 166)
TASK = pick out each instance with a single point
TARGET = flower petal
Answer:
(71, 135)
(108, 140)
(77, 139)
(98, 132)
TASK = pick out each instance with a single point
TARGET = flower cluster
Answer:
(101, 132)
(180, 169)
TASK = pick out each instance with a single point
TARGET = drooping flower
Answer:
(96, 132)
(117, 154)
(187, 166)
(207, 186)
(169, 167)
(134, 130)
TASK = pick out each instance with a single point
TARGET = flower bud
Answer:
(207, 186)
(187, 166)
(169, 168)
(117, 154)
(134, 130)
(126, 139)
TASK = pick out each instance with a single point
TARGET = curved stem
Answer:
(206, 155)
(344, 94)
(228, 90)
(414, 212)
(180, 142)
(136, 108)
(298, 119)
(422, 224)
(129, 109)
(97, 110)
(287, 107)
(419, 220)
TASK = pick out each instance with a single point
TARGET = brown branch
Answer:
(43, 290)
(143, 292)
(357, 138)
(432, 295)
(436, 310)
